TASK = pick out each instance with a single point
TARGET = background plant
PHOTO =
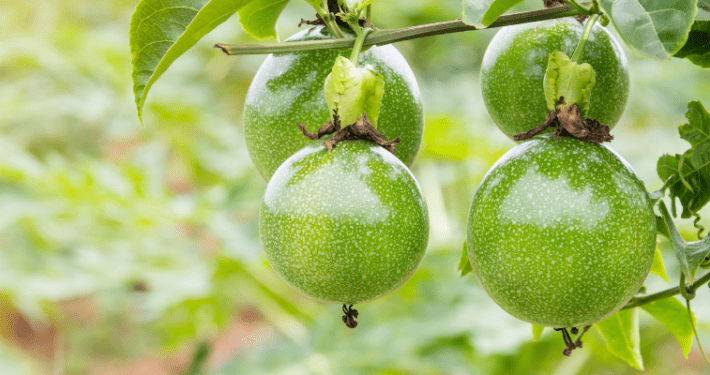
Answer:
(93, 202)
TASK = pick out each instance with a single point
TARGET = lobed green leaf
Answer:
(690, 254)
(162, 30)
(674, 316)
(654, 29)
(697, 48)
(621, 335)
(695, 166)
(465, 263)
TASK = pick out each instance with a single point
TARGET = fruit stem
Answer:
(639, 301)
(382, 37)
(585, 36)
(361, 35)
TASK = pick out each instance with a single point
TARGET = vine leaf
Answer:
(674, 316)
(474, 11)
(654, 29)
(162, 30)
(703, 10)
(689, 254)
(657, 267)
(537, 331)
(496, 9)
(568, 79)
(350, 91)
(258, 18)
(621, 335)
(464, 263)
(697, 48)
(696, 163)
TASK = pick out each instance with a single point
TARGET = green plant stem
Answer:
(639, 301)
(382, 37)
(329, 20)
(695, 331)
(355, 55)
(585, 36)
(368, 16)
(579, 7)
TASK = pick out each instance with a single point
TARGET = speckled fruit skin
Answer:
(561, 235)
(288, 89)
(514, 66)
(347, 226)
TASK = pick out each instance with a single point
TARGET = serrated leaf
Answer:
(697, 48)
(537, 331)
(696, 163)
(674, 316)
(350, 91)
(621, 335)
(689, 254)
(657, 267)
(496, 9)
(568, 79)
(473, 11)
(654, 29)
(465, 263)
(258, 18)
(161, 31)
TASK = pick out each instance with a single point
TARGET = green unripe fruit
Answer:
(347, 226)
(561, 235)
(288, 89)
(514, 66)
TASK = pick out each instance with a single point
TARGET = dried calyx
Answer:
(362, 129)
(569, 122)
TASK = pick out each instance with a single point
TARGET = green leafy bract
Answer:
(697, 48)
(465, 263)
(474, 11)
(258, 18)
(621, 335)
(690, 254)
(655, 29)
(695, 166)
(350, 91)
(674, 316)
(657, 267)
(568, 79)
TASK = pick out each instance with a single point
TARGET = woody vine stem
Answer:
(388, 36)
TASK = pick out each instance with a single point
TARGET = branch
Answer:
(388, 36)
(638, 301)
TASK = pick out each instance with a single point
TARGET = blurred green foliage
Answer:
(120, 241)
